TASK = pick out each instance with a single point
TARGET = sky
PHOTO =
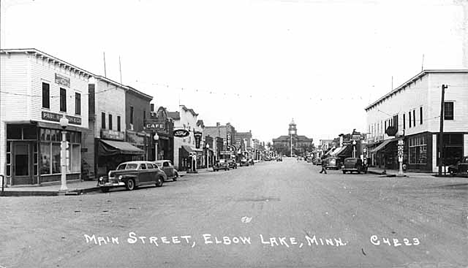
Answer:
(256, 64)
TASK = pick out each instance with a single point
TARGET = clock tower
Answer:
(292, 128)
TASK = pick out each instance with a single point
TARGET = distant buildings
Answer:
(299, 144)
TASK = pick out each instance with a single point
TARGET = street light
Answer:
(400, 136)
(63, 155)
(156, 139)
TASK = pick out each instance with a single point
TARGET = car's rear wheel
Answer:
(159, 181)
(130, 184)
(344, 172)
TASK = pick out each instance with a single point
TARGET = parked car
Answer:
(332, 162)
(244, 162)
(168, 168)
(352, 164)
(232, 163)
(221, 164)
(460, 168)
(131, 175)
(251, 161)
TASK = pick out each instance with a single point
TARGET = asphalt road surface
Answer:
(272, 214)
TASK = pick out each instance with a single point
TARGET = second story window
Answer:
(421, 115)
(103, 120)
(77, 103)
(404, 121)
(63, 100)
(448, 110)
(110, 121)
(409, 119)
(118, 123)
(45, 95)
(131, 114)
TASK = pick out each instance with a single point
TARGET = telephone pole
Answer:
(441, 134)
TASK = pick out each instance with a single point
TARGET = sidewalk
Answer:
(74, 187)
(394, 173)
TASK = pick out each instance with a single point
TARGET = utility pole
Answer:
(441, 133)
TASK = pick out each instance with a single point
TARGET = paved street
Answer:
(272, 214)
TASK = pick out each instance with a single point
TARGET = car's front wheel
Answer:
(176, 176)
(130, 184)
(344, 172)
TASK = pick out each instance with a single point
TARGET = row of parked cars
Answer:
(227, 164)
(133, 174)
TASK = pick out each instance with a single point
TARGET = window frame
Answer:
(63, 99)
(45, 97)
(77, 103)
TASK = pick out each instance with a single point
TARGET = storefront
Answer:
(33, 153)
(188, 156)
(111, 153)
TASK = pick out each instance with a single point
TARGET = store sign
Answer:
(198, 136)
(56, 118)
(181, 133)
(62, 80)
(112, 135)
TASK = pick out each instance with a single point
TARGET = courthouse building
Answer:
(299, 144)
(37, 90)
(413, 109)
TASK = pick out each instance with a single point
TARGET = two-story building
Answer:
(37, 90)
(413, 111)
(187, 149)
(224, 140)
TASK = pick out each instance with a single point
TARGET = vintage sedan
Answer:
(352, 164)
(221, 164)
(232, 164)
(168, 168)
(133, 174)
(332, 162)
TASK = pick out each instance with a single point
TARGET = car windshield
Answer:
(127, 166)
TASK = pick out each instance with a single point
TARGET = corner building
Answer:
(37, 90)
(413, 109)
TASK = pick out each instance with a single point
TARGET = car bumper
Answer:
(111, 184)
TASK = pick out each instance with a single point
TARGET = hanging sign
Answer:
(181, 133)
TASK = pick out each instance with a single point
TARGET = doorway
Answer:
(22, 163)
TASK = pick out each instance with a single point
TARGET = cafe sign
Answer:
(181, 133)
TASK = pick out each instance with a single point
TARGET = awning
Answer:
(107, 147)
(338, 150)
(381, 146)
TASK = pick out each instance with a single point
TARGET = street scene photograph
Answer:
(222, 133)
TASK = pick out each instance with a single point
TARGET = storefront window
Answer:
(55, 157)
(51, 151)
(45, 158)
(418, 150)
(75, 160)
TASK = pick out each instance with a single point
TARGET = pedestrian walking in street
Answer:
(324, 166)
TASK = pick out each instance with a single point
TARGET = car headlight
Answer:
(101, 180)
(120, 178)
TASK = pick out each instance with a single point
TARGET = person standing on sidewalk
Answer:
(324, 166)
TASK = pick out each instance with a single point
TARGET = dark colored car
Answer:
(244, 162)
(232, 164)
(133, 174)
(352, 164)
(460, 168)
(168, 168)
(279, 159)
(221, 164)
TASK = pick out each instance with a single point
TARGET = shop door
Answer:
(22, 164)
